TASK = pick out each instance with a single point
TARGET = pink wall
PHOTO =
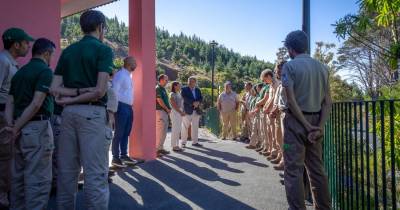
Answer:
(142, 47)
(37, 18)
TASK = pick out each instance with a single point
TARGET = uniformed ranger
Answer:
(16, 44)
(266, 77)
(85, 136)
(28, 111)
(163, 109)
(305, 81)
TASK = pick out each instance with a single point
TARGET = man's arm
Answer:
(263, 100)
(97, 92)
(30, 111)
(4, 70)
(162, 104)
(219, 107)
(9, 110)
(326, 108)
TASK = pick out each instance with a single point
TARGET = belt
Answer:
(40, 118)
(95, 103)
(312, 113)
(2, 107)
(306, 113)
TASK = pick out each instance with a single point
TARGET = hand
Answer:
(14, 132)
(64, 100)
(183, 114)
(196, 104)
(168, 111)
(111, 120)
(315, 136)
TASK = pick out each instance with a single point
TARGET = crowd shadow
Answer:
(201, 172)
(152, 194)
(196, 191)
(227, 156)
(212, 162)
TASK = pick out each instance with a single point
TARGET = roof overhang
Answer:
(70, 7)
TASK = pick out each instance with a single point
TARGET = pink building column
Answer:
(142, 143)
(37, 18)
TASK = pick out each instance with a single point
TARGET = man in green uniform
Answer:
(305, 81)
(80, 85)
(163, 108)
(266, 77)
(28, 111)
(16, 44)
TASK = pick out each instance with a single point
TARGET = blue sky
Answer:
(250, 27)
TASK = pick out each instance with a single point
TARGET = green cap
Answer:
(16, 34)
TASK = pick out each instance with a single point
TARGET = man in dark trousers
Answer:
(192, 99)
(305, 81)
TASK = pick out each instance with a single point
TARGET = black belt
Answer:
(95, 103)
(306, 113)
(2, 107)
(40, 118)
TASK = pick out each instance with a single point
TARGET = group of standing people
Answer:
(183, 105)
(55, 125)
(283, 118)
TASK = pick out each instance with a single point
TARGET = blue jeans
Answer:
(123, 127)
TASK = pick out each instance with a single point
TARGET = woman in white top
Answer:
(176, 115)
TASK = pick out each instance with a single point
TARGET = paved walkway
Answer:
(221, 175)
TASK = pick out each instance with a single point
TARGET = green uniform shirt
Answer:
(34, 76)
(253, 101)
(162, 93)
(263, 91)
(81, 62)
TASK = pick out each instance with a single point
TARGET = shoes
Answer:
(118, 163)
(128, 161)
(282, 175)
(279, 167)
(282, 182)
(259, 149)
(177, 149)
(276, 160)
(197, 145)
(163, 151)
(183, 145)
(271, 157)
(250, 147)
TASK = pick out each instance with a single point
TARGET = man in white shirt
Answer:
(123, 87)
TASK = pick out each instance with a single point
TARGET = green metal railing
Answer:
(362, 154)
(212, 121)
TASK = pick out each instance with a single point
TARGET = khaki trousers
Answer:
(264, 137)
(161, 128)
(84, 141)
(298, 152)
(31, 167)
(5, 163)
(246, 125)
(191, 121)
(228, 124)
(176, 123)
(255, 134)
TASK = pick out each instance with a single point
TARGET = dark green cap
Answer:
(16, 34)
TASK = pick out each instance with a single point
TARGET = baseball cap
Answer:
(16, 34)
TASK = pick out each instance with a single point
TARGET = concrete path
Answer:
(221, 175)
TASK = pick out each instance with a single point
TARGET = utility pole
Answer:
(213, 44)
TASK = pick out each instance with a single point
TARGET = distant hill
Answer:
(179, 56)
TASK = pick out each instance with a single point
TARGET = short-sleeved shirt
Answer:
(228, 101)
(81, 62)
(177, 97)
(263, 91)
(34, 76)
(8, 67)
(162, 93)
(252, 102)
(308, 78)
